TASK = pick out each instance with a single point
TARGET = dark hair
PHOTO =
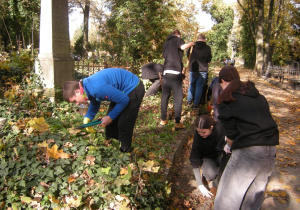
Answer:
(230, 74)
(176, 32)
(204, 122)
(69, 88)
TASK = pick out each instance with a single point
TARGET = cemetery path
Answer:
(283, 190)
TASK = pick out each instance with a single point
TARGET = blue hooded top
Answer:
(111, 84)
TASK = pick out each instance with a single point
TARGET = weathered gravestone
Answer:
(55, 64)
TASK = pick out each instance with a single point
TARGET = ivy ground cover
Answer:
(47, 164)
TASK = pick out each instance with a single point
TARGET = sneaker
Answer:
(189, 103)
(162, 123)
(179, 126)
(195, 107)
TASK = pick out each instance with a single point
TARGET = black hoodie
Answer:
(248, 121)
(201, 56)
(173, 54)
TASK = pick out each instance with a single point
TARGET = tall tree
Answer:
(273, 37)
(254, 10)
(84, 5)
(136, 30)
(219, 35)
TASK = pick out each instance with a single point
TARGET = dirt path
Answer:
(283, 190)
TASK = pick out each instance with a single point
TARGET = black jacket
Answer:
(248, 121)
(210, 147)
(151, 70)
(201, 56)
(173, 54)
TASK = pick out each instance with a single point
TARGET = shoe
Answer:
(195, 107)
(162, 123)
(189, 103)
(130, 149)
(179, 126)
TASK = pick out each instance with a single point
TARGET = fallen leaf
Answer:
(123, 171)
(57, 154)
(71, 179)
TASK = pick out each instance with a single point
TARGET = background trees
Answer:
(218, 37)
(133, 32)
(19, 23)
(270, 30)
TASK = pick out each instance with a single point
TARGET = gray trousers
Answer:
(245, 178)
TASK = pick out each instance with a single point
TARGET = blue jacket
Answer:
(112, 84)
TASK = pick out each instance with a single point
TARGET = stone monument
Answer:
(55, 64)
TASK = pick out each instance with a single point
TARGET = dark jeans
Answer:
(197, 81)
(172, 83)
(122, 127)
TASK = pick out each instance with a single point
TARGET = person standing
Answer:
(124, 91)
(199, 60)
(173, 66)
(252, 134)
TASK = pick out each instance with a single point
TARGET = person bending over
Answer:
(124, 91)
(252, 135)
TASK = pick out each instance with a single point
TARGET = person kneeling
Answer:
(208, 144)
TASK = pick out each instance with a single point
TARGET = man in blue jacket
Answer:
(125, 92)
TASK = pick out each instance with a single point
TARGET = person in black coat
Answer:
(206, 153)
(172, 83)
(200, 58)
(252, 134)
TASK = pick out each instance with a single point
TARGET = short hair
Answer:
(204, 122)
(69, 88)
(176, 32)
(201, 36)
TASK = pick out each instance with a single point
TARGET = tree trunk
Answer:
(259, 39)
(268, 35)
(86, 13)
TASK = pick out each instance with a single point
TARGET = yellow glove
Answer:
(88, 129)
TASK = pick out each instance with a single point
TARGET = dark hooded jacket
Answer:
(173, 54)
(201, 56)
(210, 147)
(248, 121)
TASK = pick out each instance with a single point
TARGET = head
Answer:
(201, 37)
(205, 125)
(72, 92)
(176, 32)
(229, 80)
(227, 75)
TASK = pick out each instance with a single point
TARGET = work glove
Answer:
(205, 191)
(88, 129)
(227, 149)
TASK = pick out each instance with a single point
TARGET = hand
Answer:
(88, 129)
(106, 120)
(227, 149)
(205, 191)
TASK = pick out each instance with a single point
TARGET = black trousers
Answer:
(122, 127)
(172, 83)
